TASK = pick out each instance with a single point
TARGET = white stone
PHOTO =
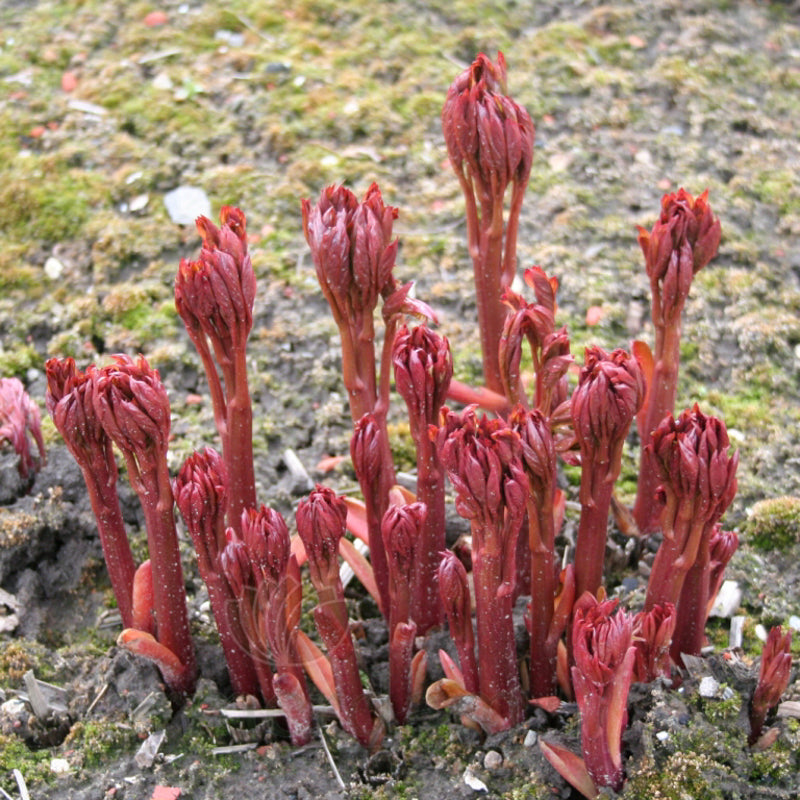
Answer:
(186, 203)
(662, 736)
(60, 766)
(708, 687)
(474, 783)
(761, 632)
(531, 737)
(139, 202)
(727, 601)
(162, 81)
(794, 622)
(492, 760)
(53, 268)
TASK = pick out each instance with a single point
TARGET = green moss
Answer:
(16, 658)
(16, 362)
(404, 451)
(684, 775)
(33, 764)
(99, 742)
(725, 706)
(773, 524)
(47, 200)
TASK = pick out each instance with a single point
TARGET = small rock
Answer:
(59, 766)
(662, 736)
(531, 737)
(493, 760)
(727, 601)
(139, 203)
(708, 687)
(474, 783)
(794, 622)
(186, 203)
(53, 268)
(736, 634)
(162, 81)
(761, 632)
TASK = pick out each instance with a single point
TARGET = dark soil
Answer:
(260, 104)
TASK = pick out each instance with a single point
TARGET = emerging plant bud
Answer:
(683, 240)
(489, 141)
(483, 458)
(266, 538)
(70, 403)
(352, 249)
(681, 243)
(215, 294)
(423, 367)
(604, 654)
(19, 418)
(773, 678)
(321, 523)
(611, 390)
(652, 636)
(454, 589)
(489, 137)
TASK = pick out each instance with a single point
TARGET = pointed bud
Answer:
(773, 678)
(132, 405)
(201, 496)
(351, 248)
(214, 295)
(266, 538)
(423, 368)
(652, 636)
(683, 240)
(489, 137)
(321, 523)
(19, 417)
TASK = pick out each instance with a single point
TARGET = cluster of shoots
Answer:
(501, 446)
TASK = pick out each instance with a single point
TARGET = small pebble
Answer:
(139, 202)
(662, 736)
(727, 601)
(735, 636)
(186, 203)
(474, 783)
(761, 632)
(708, 687)
(794, 622)
(59, 766)
(531, 737)
(493, 760)
(53, 268)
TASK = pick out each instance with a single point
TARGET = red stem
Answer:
(426, 603)
(661, 402)
(544, 647)
(116, 548)
(169, 595)
(238, 455)
(692, 607)
(497, 649)
(590, 545)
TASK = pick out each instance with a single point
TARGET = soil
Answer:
(105, 107)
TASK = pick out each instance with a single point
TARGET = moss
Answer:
(724, 706)
(404, 451)
(16, 658)
(685, 775)
(33, 764)
(16, 362)
(99, 742)
(773, 524)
